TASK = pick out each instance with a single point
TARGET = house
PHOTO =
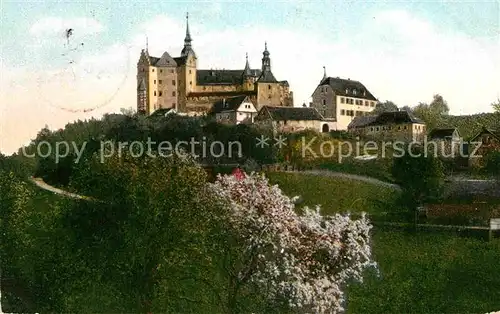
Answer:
(484, 142)
(447, 142)
(234, 110)
(396, 126)
(358, 125)
(293, 119)
(342, 100)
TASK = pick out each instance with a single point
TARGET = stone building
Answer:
(292, 119)
(480, 145)
(392, 126)
(342, 100)
(234, 110)
(176, 82)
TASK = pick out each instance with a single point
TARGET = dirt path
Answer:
(41, 184)
(327, 173)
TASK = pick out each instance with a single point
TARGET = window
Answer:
(173, 104)
(190, 82)
(377, 128)
(173, 93)
(160, 81)
(154, 93)
(342, 112)
(152, 70)
(160, 93)
(171, 71)
(173, 82)
(406, 127)
(367, 103)
(342, 100)
(268, 86)
(371, 129)
(399, 127)
(346, 91)
(354, 91)
(154, 82)
(372, 104)
(161, 71)
(324, 102)
(189, 71)
(142, 70)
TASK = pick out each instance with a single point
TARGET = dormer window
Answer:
(354, 91)
(347, 91)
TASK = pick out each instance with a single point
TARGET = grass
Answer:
(425, 272)
(378, 169)
(335, 194)
(429, 273)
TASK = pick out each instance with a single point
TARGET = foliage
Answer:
(493, 164)
(496, 105)
(387, 106)
(421, 177)
(304, 261)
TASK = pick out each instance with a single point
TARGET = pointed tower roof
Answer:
(247, 71)
(187, 40)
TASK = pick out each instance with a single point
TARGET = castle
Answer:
(167, 82)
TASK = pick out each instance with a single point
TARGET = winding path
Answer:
(43, 185)
(327, 173)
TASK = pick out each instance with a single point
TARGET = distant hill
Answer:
(470, 125)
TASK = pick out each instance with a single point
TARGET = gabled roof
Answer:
(292, 113)
(441, 133)
(180, 60)
(267, 77)
(485, 130)
(340, 86)
(153, 60)
(166, 60)
(395, 117)
(229, 104)
(222, 93)
(212, 77)
(361, 121)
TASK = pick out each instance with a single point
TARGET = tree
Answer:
(496, 105)
(439, 106)
(387, 106)
(300, 262)
(420, 175)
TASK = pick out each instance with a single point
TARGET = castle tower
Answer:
(188, 49)
(266, 60)
(248, 78)
(187, 70)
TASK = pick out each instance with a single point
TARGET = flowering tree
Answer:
(300, 261)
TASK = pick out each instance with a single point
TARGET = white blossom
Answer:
(305, 259)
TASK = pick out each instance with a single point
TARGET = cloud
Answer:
(397, 55)
(50, 26)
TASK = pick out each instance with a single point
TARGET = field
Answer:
(335, 195)
(419, 272)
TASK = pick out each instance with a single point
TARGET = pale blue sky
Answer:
(478, 19)
(403, 51)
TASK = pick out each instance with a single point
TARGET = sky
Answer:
(403, 51)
